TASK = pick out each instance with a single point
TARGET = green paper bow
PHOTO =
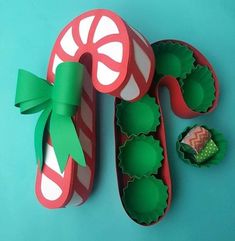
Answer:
(59, 103)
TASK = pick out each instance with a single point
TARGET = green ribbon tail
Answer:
(39, 135)
(65, 140)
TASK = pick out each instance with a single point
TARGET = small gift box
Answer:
(208, 151)
(196, 139)
(211, 153)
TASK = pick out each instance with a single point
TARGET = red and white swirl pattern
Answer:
(119, 62)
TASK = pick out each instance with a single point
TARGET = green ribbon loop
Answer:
(59, 103)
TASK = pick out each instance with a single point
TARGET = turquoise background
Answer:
(203, 206)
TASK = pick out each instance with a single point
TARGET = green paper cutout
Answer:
(60, 102)
(145, 199)
(198, 89)
(32, 92)
(65, 141)
(39, 134)
(188, 158)
(140, 156)
(173, 59)
(140, 117)
(207, 152)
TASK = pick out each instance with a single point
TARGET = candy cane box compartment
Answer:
(179, 107)
(120, 62)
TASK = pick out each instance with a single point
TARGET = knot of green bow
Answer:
(59, 103)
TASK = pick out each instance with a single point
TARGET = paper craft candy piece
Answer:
(209, 150)
(119, 62)
(212, 153)
(197, 138)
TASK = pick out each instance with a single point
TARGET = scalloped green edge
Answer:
(122, 116)
(216, 136)
(134, 171)
(150, 216)
(203, 75)
(187, 60)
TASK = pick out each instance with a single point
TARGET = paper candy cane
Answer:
(181, 109)
(119, 62)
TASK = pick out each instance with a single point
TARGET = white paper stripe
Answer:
(131, 90)
(142, 61)
(75, 200)
(85, 143)
(50, 159)
(84, 28)
(84, 176)
(105, 75)
(105, 27)
(139, 35)
(50, 189)
(68, 44)
(114, 50)
(56, 62)
(86, 114)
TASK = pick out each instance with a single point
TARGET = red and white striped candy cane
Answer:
(119, 62)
